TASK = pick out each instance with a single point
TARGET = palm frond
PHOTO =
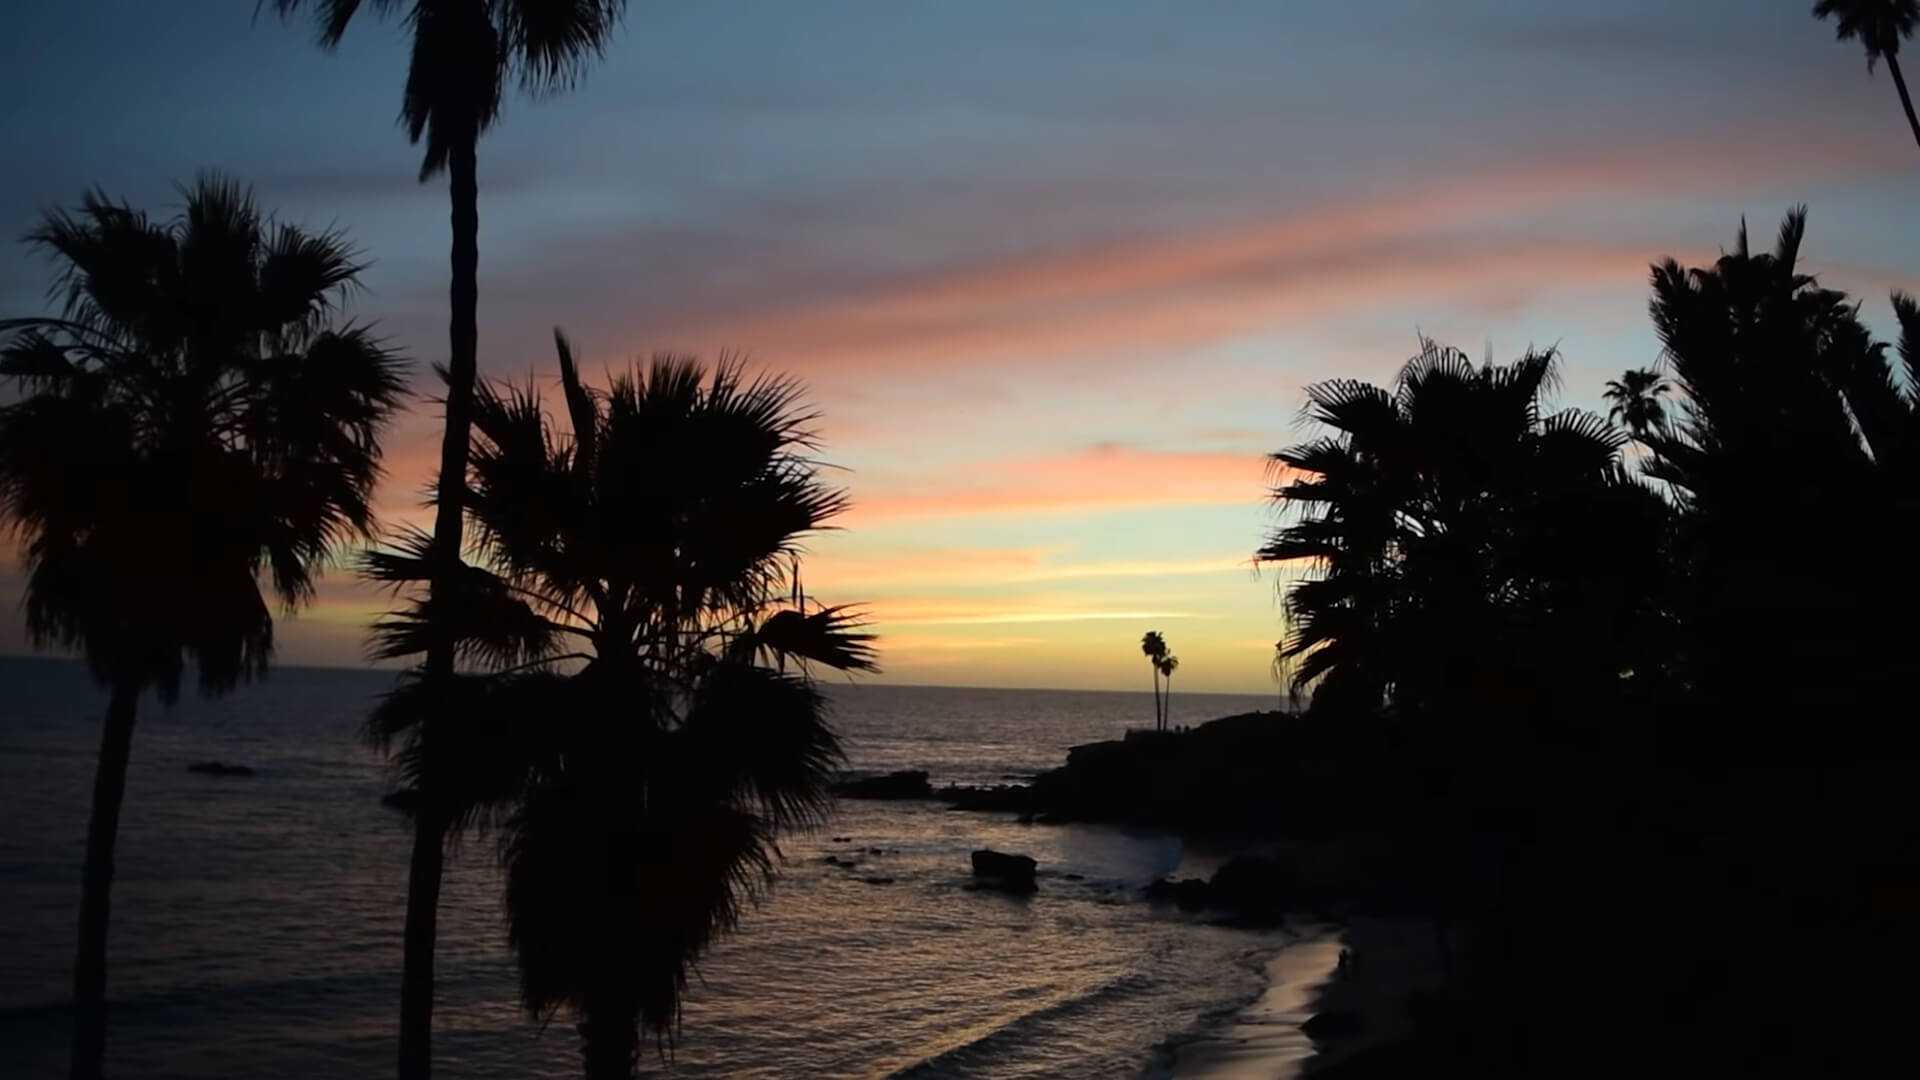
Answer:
(832, 637)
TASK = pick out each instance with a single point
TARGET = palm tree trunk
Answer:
(1166, 709)
(609, 1041)
(1156, 697)
(1906, 99)
(103, 827)
(423, 918)
(429, 823)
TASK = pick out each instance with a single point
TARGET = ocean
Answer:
(256, 920)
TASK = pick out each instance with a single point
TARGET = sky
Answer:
(1054, 274)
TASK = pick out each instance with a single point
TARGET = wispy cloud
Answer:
(885, 616)
(1098, 477)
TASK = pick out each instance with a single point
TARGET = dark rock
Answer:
(1191, 894)
(907, 784)
(1253, 887)
(1009, 873)
(843, 839)
(1331, 1026)
(219, 768)
(876, 851)
(877, 880)
(405, 800)
(845, 864)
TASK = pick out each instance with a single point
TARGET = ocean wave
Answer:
(994, 1043)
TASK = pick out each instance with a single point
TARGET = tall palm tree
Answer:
(1154, 648)
(1634, 400)
(464, 53)
(1880, 26)
(1168, 666)
(656, 549)
(195, 421)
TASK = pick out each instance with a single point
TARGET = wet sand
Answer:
(1390, 958)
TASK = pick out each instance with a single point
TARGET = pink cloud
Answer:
(1129, 295)
(1106, 477)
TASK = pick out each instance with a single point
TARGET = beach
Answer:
(1389, 960)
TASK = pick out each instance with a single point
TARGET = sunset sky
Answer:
(1055, 273)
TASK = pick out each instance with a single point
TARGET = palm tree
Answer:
(1782, 389)
(1466, 545)
(639, 800)
(1167, 667)
(1880, 26)
(195, 421)
(1635, 400)
(1154, 648)
(464, 52)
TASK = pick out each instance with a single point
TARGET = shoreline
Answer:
(1365, 1005)
(1263, 1040)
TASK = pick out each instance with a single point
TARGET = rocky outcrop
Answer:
(1008, 873)
(1253, 887)
(907, 784)
(1190, 894)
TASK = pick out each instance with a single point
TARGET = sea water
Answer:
(257, 919)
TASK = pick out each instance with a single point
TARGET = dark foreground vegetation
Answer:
(1626, 709)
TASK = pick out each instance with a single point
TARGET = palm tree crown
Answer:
(466, 51)
(1879, 25)
(655, 546)
(193, 419)
(1634, 400)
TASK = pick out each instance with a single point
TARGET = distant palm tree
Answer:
(1168, 666)
(1880, 26)
(639, 800)
(194, 421)
(464, 52)
(1154, 648)
(1635, 400)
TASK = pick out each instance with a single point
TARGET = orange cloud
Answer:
(1001, 615)
(1127, 296)
(1103, 477)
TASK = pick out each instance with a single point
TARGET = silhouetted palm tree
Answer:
(1460, 539)
(640, 799)
(195, 421)
(464, 52)
(1880, 26)
(1168, 665)
(1154, 648)
(1782, 389)
(1635, 400)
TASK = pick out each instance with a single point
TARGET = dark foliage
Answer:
(643, 726)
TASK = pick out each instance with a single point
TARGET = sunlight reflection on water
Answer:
(257, 920)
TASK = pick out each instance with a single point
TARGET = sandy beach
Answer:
(1388, 960)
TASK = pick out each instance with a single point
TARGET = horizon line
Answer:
(8, 654)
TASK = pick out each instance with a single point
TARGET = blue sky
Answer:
(1055, 273)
